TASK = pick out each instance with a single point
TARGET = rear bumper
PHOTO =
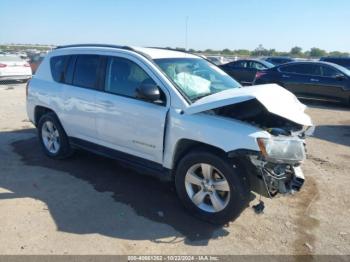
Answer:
(15, 77)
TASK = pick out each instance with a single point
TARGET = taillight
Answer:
(26, 65)
(259, 74)
(2, 65)
(27, 87)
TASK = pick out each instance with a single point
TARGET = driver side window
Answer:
(329, 72)
(257, 66)
(123, 77)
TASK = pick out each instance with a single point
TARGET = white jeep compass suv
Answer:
(174, 114)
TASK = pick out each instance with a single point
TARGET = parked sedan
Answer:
(244, 71)
(320, 80)
(14, 68)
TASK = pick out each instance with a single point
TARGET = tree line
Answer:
(261, 51)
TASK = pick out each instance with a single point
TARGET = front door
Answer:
(124, 122)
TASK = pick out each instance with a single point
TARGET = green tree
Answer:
(226, 51)
(296, 51)
(259, 51)
(337, 53)
(317, 52)
(208, 51)
(241, 52)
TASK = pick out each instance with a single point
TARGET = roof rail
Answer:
(183, 51)
(124, 47)
(95, 45)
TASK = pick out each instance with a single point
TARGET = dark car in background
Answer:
(319, 80)
(244, 70)
(343, 61)
(278, 60)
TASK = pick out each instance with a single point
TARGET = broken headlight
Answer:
(282, 149)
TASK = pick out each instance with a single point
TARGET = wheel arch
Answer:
(184, 146)
(39, 111)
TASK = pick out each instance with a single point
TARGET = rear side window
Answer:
(86, 71)
(68, 74)
(304, 69)
(240, 64)
(310, 69)
(290, 69)
(57, 64)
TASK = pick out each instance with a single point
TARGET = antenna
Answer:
(186, 34)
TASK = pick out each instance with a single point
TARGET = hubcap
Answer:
(207, 187)
(50, 137)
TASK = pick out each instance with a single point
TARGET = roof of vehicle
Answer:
(251, 59)
(266, 63)
(336, 57)
(156, 53)
(152, 52)
(340, 68)
(284, 57)
(307, 62)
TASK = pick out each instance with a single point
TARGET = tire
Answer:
(232, 202)
(61, 148)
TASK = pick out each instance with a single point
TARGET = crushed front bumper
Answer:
(270, 179)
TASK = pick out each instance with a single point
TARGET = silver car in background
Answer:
(14, 68)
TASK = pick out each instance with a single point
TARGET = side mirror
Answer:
(148, 92)
(340, 77)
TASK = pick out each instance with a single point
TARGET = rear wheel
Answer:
(53, 138)
(210, 187)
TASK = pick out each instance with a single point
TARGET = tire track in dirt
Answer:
(304, 243)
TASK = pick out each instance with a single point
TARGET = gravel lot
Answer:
(92, 205)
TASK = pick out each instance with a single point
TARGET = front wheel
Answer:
(210, 187)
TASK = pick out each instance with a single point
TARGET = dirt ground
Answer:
(92, 205)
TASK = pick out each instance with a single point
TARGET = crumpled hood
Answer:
(274, 98)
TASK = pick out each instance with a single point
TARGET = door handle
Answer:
(285, 76)
(314, 80)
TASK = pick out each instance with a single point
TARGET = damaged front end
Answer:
(274, 165)
(271, 178)
(269, 174)
(276, 168)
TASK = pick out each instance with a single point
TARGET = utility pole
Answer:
(186, 36)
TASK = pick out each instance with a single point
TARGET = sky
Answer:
(233, 24)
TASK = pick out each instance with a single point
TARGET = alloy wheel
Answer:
(207, 187)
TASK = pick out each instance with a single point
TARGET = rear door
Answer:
(79, 93)
(293, 78)
(124, 122)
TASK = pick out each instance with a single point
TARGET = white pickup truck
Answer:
(174, 114)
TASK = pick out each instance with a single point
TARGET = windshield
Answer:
(267, 64)
(196, 77)
(342, 69)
